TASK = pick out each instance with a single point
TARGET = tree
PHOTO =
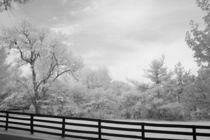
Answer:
(7, 4)
(118, 87)
(157, 72)
(9, 89)
(4, 74)
(3, 68)
(196, 95)
(48, 58)
(182, 78)
(102, 104)
(96, 78)
(202, 89)
(198, 39)
(142, 87)
(128, 104)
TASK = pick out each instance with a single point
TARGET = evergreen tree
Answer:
(157, 72)
(198, 40)
(182, 78)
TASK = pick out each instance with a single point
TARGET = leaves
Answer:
(48, 57)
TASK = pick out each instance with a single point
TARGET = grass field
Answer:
(103, 130)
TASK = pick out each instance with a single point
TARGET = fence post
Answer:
(63, 127)
(194, 132)
(32, 124)
(99, 129)
(7, 120)
(142, 131)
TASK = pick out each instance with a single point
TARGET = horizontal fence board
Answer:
(2, 126)
(19, 118)
(121, 122)
(50, 133)
(47, 126)
(2, 121)
(168, 125)
(169, 132)
(150, 138)
(83, 125)
(203, 134)
(19, 128)
(121, 135)
(47, 121)
(19, 123)
(82, 137)
(121, 129)
(82, 131)
(82, 119)
(202, 127)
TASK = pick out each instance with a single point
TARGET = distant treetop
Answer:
(7, 4)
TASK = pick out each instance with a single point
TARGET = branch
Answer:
(50, 71)
(53, 65)
(22, 56)
(24, 32)
(34, 56)
(65, 71)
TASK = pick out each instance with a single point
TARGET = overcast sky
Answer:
(122, 35)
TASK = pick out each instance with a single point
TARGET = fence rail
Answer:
(29, 122)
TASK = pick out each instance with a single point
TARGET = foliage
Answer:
(58, 83)
(48, 58)
(198, 40)
(157, 72)
(7, 4)
(98, 78)
(3, 70)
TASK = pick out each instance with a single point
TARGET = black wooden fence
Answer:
(64, 127)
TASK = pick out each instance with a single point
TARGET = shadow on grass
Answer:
(11, 137)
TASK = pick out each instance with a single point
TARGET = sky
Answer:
(122, 35)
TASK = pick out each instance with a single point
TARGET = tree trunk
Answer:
(178, 98)
(35, 90)
(37, 108)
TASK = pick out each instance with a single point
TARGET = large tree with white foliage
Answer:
(47, 57)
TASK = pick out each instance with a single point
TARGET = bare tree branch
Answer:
(50, 71)
(22, 56)
(65, 71)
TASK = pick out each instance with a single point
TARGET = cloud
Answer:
(126, 36)
(123, 35)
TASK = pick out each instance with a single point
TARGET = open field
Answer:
(74, 127)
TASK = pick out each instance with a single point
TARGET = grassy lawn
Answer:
(103, 130)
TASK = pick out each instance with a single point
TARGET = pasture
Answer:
(89, 128)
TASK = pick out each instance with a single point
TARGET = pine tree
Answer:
(157, 72)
